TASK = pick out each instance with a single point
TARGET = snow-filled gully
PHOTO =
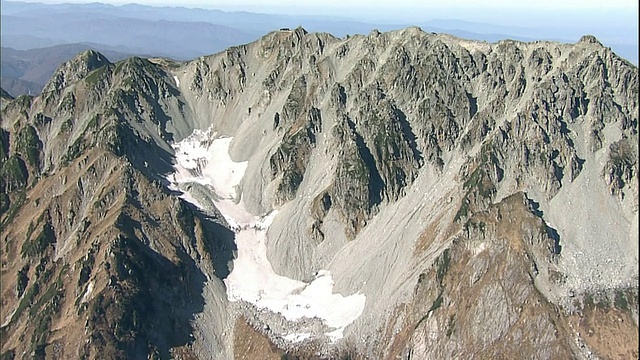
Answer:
(202, 158)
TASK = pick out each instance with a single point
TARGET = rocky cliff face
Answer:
(482, 198)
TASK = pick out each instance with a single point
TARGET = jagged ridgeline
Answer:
(483, 197)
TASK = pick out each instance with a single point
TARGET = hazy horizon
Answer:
(614, 23)
(529, 12)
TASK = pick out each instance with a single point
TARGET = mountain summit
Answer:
(396, 195)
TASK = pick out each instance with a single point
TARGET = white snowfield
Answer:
(294, 338)
(207, 162)
(202, 158)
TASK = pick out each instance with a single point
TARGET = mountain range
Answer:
(185, 33)
(401, 194)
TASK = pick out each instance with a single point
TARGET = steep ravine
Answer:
(203, 161)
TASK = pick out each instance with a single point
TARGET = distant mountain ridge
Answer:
(180, 40)
(26, 21)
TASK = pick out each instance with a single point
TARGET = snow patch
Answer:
(202, 158)
(8, 319)
(207, 162)
(88, 292)
(335, 335)
(478, 248)
(177, 80)
(296, 338)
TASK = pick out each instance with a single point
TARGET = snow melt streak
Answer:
(206, 161)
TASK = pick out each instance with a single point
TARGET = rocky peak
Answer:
(589, 39)
(75, 69)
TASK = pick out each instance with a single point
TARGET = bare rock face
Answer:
(482, 197)
(487, 278)
(622, 166)
(75, 69)
(290, 160)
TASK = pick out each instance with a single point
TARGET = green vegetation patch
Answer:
(38, 245)
(4, 144)
(23, 101)
(22, 280)
(27, 300)
(623, 299)
(5, 202)
(29, 145)
(444, 262)
(74, 150)
(66, 126)
(50, 300)
(96, 75)
(620, 301)
(479, 182)
(93, 123)
(18, 200)
(8, 355)
(436, 303)
(43, 311)
(14, 173)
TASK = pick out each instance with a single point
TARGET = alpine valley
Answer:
(398, 195)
